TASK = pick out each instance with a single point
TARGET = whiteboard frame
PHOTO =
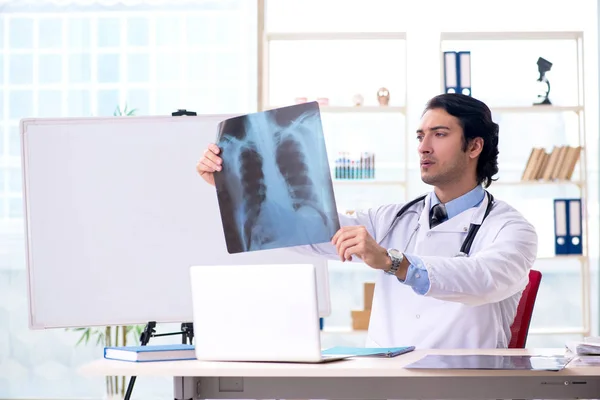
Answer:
(25, 123)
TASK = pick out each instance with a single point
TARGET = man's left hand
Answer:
(356, 241)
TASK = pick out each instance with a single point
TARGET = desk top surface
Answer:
(354, 367)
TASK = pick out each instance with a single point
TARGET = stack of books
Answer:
(559, 164)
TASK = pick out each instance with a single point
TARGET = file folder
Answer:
(574, 218)
(464, 72)
(450, 72)
(560, 227)
(386, 352)
(568, 227)
(457, 72)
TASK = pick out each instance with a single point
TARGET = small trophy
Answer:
(543, 67)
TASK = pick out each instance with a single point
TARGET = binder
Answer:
(450, 72)
(574, 218)
(457, 72)
(560, 227)
(568, 227)
(464, 72)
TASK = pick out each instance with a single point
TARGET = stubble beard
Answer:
(450, 176)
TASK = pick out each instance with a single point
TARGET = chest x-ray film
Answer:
(275, 187)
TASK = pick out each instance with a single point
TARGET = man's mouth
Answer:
(426, 163)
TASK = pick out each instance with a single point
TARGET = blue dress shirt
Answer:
(417, 276)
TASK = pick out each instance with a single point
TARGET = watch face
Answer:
(394, 253)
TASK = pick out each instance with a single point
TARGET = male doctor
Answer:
(443, 283)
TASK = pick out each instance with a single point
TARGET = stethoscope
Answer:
(473, 228)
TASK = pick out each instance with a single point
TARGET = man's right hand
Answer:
(209, 163)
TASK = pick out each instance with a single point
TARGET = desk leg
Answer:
(183, 388)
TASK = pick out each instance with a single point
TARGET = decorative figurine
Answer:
(358, 99)
(383, 96)
(543, 67)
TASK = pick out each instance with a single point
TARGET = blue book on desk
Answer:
(167, 352)
(367, 351)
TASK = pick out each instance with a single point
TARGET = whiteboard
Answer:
(116, 214)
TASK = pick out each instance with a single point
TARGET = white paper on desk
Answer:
(585, 361)
(584, 348)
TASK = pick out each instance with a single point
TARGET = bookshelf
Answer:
(348, 66)
(543, 152)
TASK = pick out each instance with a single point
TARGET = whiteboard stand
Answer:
(187, 332)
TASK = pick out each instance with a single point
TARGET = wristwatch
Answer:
(397, 258)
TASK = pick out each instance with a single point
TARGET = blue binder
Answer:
(464, 72)
(450, 72)
(457, 72)
(568, 227)
(575, 226)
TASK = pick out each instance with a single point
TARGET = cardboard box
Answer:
(360, 319)
(369, 289)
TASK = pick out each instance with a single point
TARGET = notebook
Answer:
(168, 352)
(368, 351)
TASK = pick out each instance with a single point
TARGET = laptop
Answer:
(265, 313)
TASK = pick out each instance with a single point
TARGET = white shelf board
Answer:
(367, 182)
(533, 331)
(356, 109)
(563, 257)
(537, 183)
(342, 330)
(536, 109)
(558, 331)
(548, 35)
(271, 36)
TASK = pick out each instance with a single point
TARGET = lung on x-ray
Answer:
(275, 188)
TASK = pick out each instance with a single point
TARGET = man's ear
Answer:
(475, 147)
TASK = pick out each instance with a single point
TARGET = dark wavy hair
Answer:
(476, 121)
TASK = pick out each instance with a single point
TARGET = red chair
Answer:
(520, 326)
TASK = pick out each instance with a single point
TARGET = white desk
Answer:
(361, 378)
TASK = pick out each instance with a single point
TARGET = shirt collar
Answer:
(462, 203)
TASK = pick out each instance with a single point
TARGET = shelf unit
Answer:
(578, 108)
(265, 103)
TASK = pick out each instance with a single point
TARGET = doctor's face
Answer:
(443, 160)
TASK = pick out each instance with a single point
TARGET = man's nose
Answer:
(424, 146)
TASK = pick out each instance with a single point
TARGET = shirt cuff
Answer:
(417, 276)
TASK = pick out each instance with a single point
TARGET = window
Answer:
(89, 60)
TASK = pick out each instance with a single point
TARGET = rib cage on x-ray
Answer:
(275, 186)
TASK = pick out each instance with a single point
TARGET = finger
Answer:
(205, 165)
(343, 230)
(343, 236)
(208, 153)
(353, 250)
(214, 148)
(345, 245)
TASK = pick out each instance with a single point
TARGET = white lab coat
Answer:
(472, 301)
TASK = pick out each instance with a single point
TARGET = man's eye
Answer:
(419, 138)
(440, 134)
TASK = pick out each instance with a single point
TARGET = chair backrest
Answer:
(520, 326)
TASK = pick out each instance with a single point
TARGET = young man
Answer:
(444, 282)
